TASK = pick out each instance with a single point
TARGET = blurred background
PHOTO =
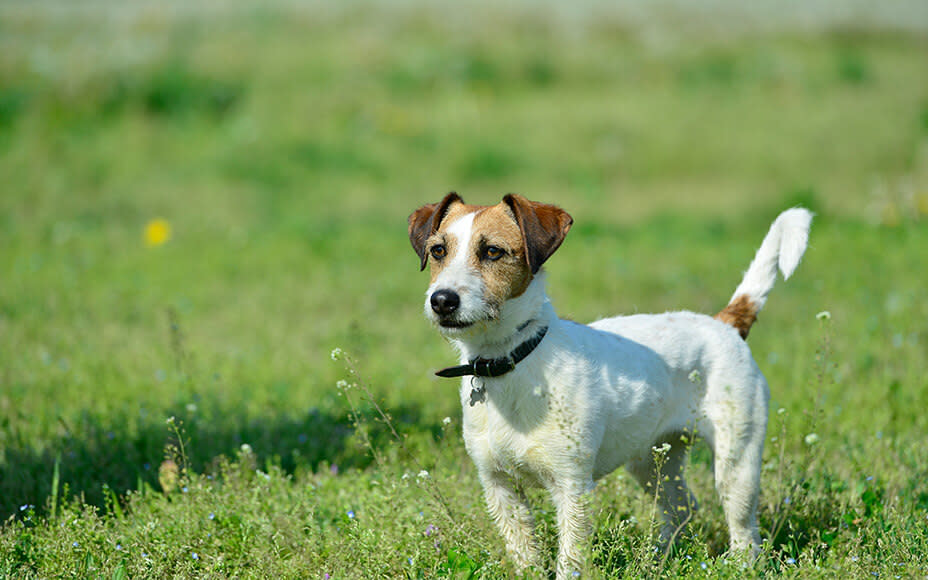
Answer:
(200, 200)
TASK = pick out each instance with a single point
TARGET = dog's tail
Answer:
(783, 247)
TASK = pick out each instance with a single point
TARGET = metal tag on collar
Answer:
(478, 391)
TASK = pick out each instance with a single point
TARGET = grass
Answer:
(286, 145)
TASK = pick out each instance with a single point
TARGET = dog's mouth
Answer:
(454, 323)
(450, 323)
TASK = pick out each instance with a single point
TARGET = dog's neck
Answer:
(520, 319)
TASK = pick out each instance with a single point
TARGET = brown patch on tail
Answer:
(740, 313)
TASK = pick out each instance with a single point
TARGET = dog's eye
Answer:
(493, 253)
(438, 251)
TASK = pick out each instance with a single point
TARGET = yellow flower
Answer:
(921, 202)
(157, 232)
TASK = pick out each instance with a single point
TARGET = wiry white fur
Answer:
(783, 246)
(592, 398)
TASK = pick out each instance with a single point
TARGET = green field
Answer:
(285, 145)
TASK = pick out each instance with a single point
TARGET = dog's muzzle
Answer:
(446, 304)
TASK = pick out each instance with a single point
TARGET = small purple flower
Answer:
(326, 576)
(334, 469)
(75, 544)
(791, 561)
(430, 529)
(119, 546)
(195, 556)
(350, 514)
(211, 516)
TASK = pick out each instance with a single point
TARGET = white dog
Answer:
(558, 404)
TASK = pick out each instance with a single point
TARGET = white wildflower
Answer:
(446, 421)
(663, 449)
(423, 474)
(823, 315)
(336, 353)
(812, 439)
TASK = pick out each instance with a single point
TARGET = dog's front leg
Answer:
(573, 530)
(509, 509)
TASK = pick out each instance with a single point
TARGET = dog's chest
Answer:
(525, 439)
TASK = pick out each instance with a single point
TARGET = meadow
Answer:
(213, 359)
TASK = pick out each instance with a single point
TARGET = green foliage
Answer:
(852, 68)
(487, 164)
(12, 104)
(173, 90)
(285, 147)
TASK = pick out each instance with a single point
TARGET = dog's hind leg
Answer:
(737, 439)
(661, 473)
(509, 509)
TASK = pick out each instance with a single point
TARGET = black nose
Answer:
(444, 302)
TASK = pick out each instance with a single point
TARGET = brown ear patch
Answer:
(425, 221)
(740, 313)
(543, 228)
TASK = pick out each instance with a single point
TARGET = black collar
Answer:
(495, 367)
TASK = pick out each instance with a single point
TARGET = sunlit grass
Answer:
(197, 207)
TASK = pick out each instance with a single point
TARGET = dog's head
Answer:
(482, 256)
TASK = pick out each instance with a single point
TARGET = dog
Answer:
(554, 403)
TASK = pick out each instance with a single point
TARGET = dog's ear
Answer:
(543, 228)
(425, 221)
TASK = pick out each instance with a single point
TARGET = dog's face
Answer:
(482, 256)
